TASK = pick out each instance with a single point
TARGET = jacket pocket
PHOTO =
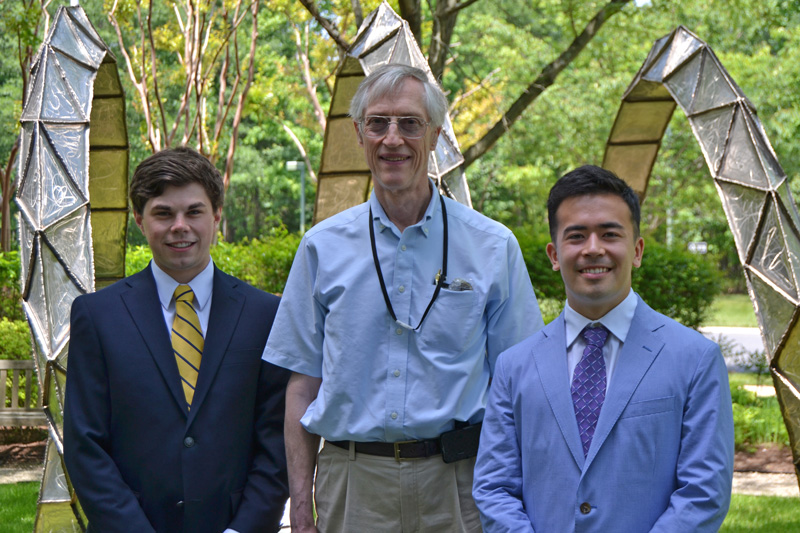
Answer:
(649, 407)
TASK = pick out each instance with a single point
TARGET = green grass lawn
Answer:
(762, 514)
(751, 514)
(18, 509)
(732, 310)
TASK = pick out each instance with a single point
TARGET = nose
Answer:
(594, 245)
(393, 137)
(179, 223)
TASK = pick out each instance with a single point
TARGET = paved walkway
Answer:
(754, 483)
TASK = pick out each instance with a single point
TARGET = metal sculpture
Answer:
(68, 246)
(344, 180)
(762, 215)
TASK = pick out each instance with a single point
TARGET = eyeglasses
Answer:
(376, 126)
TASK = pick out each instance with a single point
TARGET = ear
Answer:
(137, 217)
(638, 252)
(552, 253)
(358, 134)
(435, 138)
(217, 216)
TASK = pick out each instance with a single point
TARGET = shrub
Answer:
(263, 263)
(546, 282)
(15, 340)
(756, 420)
(677, 283)
(10, 293)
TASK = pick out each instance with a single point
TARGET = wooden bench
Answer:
(23, 410)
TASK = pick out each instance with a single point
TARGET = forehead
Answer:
(180, 195)
(593, 210)
(408, 99)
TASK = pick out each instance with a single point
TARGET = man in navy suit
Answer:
(146, 448)
(627, 427)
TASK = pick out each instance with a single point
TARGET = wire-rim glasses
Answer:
(376, 126)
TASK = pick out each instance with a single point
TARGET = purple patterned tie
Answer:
(589, 384)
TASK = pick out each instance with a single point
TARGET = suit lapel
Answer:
(226, 306)
(639, 350)
(551, 362)
(145, 309)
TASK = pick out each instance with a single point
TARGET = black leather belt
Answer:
(410, 449)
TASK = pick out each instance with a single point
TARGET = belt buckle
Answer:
(397, 450)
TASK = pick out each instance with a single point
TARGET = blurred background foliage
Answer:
(497, 48)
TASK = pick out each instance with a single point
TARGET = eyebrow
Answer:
(165, 207)
(604, 225)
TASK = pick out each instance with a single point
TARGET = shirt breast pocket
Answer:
(451, 323)
(649, 407)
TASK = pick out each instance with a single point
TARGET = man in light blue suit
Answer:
(624, 428)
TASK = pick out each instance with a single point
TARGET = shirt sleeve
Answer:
(513, 312)
(296, 339)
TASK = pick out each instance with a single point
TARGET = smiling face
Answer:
(179, 226)
(596, 249)
(399, 164)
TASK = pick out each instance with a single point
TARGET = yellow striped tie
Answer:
(187, 340)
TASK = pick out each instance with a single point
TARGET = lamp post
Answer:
(299, 165)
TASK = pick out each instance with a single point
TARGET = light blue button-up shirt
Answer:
(381, 381)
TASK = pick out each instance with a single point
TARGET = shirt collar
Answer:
(201, 285)
(424, 225)
(617, 321)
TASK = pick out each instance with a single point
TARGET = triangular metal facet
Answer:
(771, 257)
(712, 130)
(741, 162)
(743, 206)
(713, 89)
(773, 310)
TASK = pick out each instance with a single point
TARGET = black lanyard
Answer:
(440, 278)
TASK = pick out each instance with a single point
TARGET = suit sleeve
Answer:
(705, 463)
(109, 504)
(264, 496)
(498, 483)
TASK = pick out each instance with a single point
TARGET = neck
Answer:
(404, 208)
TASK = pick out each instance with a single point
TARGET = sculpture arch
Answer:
(682, 70)
(74, 148)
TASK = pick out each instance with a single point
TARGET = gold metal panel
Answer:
(108, 123)
(337, 193)
(108, 179)
(108, 240)
(342, 94)
(342, 152)
(642, 122)
(632, 163)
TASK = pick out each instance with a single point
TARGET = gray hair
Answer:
(387, 80)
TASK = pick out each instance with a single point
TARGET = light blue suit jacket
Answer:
(662, 454)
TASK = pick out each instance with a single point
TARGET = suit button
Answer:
(586, 508)
(188, 442)
(179, 505)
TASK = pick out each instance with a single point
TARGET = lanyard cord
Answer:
(439, 281)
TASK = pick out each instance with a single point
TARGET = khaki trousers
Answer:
(358, 493)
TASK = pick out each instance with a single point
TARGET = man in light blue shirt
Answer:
(392, 318)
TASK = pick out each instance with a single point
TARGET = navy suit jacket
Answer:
(662, 454)
(138, 460)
